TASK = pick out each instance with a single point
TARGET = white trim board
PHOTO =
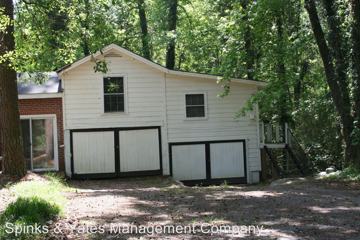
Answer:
(40, 95)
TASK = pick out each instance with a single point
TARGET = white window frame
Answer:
(55, 133)
(125, 79)
(205, 106)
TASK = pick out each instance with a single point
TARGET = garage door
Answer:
(139, 150)
(188, 162)
(115, 152)
(93, 152)
(211, 162)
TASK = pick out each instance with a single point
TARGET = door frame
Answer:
(55, 136)
(117, 150)
(209, 180)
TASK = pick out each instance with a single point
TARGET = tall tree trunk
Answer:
(332, 74)
(355, 10)
(145, 38)
(85, 25)
(281, 70)
(298, 88)
(13, 159)
(172, 20)
(248, 38)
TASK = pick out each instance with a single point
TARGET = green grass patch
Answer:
(348, 174)
(37, 201)
(50, 189)
(30, 211)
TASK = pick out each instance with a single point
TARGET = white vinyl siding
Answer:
(155, 98)
(139, 150)
(84, 96)
(221, 122)
(93, 152)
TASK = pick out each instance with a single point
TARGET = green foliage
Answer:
(212, 36)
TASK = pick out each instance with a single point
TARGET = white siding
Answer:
(188, 162)
(144, 90)
(93, 152)
(144, 98)
(139, 150)
(227, 160)
(154, 98)
(221, 123)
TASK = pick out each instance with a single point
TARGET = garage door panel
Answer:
(188, 162)
(139, 150)
(227, 160)
(93, 152)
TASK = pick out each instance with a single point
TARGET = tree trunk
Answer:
(13, 159)
(85, 25)
(248, 38)
(145, 38)
(281, 70)
(355, 9)
(298, 88)
(340, 101)
(172, 19)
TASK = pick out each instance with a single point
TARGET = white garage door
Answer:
(93, 152)
(227, 160)
(211, 161)
(139, 150)
(188, 162)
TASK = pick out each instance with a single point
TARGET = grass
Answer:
(30, 211)
(49, 189)
(37, 201)
(349, 174)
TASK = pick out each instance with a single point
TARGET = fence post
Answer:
(286, 133)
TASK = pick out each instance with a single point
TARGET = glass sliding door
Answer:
(26, 137)
(42, 144)
(39, 143)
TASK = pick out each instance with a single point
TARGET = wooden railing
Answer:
(282, 153)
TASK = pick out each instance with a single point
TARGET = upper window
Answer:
(195, 105)
(114, 94)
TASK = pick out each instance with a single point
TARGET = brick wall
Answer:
(47, 106)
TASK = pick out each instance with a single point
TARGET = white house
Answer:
(141, 118)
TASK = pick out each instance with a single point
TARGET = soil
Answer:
(287, 209)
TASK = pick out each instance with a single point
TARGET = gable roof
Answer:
(114, 47)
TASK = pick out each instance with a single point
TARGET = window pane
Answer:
(42, 143)
(114, 103)
(194, 99)
(113, 85)
(198, 111)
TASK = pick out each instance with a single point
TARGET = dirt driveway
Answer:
(298, 210)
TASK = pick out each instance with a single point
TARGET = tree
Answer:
(172, 19)
(145, 38)
(14, 162)
(334, 53)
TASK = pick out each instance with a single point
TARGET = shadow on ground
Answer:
(305, 210)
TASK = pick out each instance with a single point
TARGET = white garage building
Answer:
(141, 118)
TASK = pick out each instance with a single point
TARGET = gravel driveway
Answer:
(290, 209)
